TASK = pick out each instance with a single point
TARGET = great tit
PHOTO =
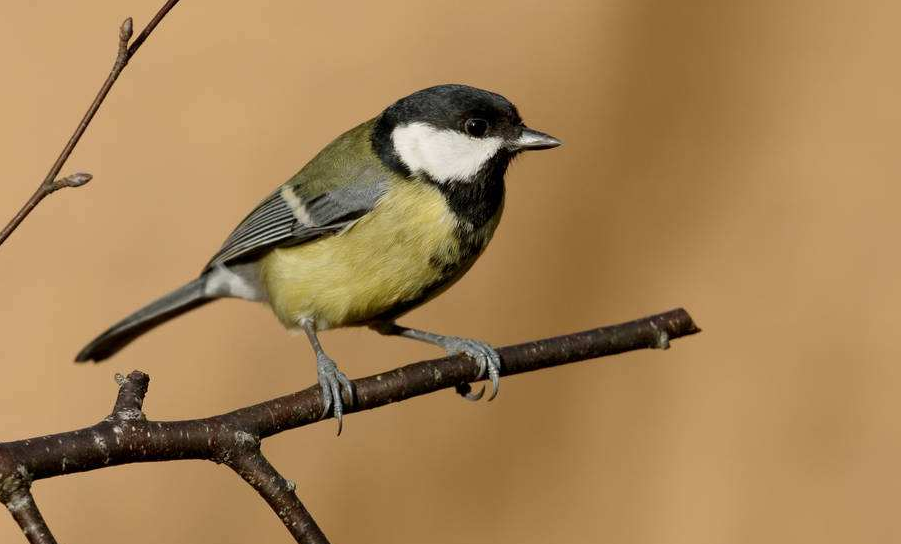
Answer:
(386, 217)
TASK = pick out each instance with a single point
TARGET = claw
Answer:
(348, 386)
(495, 375)
(332, 380)
(486, 357)
(483, 362)
(339, 409)
(465, 391)
(326, 396)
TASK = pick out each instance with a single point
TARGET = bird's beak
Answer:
(531, 140)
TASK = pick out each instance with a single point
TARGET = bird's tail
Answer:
(183, 299)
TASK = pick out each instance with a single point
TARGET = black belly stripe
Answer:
(476, 203)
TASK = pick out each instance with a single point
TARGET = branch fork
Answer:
(234, 439)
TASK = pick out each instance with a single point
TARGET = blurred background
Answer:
(737, 159)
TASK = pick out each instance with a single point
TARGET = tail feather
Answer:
(121, 334)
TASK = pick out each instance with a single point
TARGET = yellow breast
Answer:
(386, 258)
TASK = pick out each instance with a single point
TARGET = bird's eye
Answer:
(476, 127)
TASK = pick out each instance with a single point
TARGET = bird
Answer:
(382, 220)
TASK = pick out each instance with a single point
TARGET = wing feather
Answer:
(273, 223)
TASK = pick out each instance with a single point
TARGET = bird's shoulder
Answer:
(343, 182)
(348, 160)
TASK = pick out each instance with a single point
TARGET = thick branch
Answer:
(50, 183)
(127, 437)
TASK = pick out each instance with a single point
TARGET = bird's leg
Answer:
(482, 353)
(331, 380)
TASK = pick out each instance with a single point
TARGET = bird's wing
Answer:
(340, 185)
(292, 215)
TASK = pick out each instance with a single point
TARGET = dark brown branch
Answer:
(50, 184)
(130, 401)
(277, 492)
(127, 437)
(25, 511)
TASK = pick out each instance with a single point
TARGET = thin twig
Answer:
(15, 485)
(150, 27)
(127, 437)
(50, 183)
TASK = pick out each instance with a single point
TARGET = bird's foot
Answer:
(332, 381)
(486, 356)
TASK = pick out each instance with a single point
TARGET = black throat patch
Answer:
(474, 201)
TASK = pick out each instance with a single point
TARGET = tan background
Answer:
(741, 161)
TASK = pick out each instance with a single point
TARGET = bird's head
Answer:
(451, 133)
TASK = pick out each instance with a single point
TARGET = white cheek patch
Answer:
(445, 155)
